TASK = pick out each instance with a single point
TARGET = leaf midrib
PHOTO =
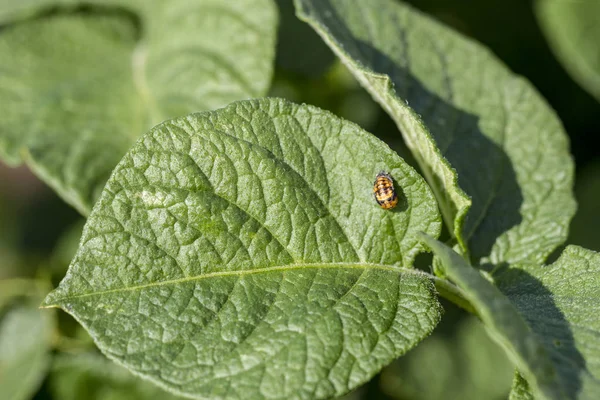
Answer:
(264, 270)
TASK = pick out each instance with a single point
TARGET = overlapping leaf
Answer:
(240, 254)
(561, 303)
(556, 350)
(504, 323)
(478, 132)
(78, 88)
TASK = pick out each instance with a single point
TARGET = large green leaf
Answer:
(240, 254)
(25, 339)
(503, 321)
(78, 88)
(476, 129)
(89, 376)
(572, 28)
(561, 303)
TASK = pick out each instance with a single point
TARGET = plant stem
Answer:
(453, 293)
(447, 290)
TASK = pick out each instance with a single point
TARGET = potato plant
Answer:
(233, 247)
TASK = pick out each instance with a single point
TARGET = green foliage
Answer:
(15, 10)
(466, 365)
(91, 376)
(546, 317)
(561, 303)
(25, 339)
(237, 250)
(80, 87)
(520, 389)
(239, 253)
(486, 141)
(504, 323)
(573, 32)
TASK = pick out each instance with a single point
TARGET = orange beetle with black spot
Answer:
(384, 191)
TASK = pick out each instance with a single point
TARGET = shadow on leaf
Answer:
(485, 171)
(536, 304)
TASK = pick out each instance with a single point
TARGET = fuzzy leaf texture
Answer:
(520, 389)
(480, 134)
(78, 88)
(240, 254)
(561, 303)
(572, 30)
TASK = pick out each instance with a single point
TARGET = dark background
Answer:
(34, 220)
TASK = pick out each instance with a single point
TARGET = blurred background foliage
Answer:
(39, 233)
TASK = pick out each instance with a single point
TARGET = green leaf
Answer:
(572, 30)
(504, 323)
(25, 341)
(584, 227)
(466, 365)
(561, 303)
(478, 132)
(307, 56)
(15, 10)
(65, 249)
(240, 253)
(78, 88)
(520, 389)
(91, 377)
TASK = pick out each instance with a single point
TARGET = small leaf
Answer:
(79, 88)
(25, 341)
(477, 131)
(91, 377)
(573, 33)
(240, 254)
(561, 303)
(503, 322)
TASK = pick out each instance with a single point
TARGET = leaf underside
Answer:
(240, 254)
(480, 133)
(78, 88)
